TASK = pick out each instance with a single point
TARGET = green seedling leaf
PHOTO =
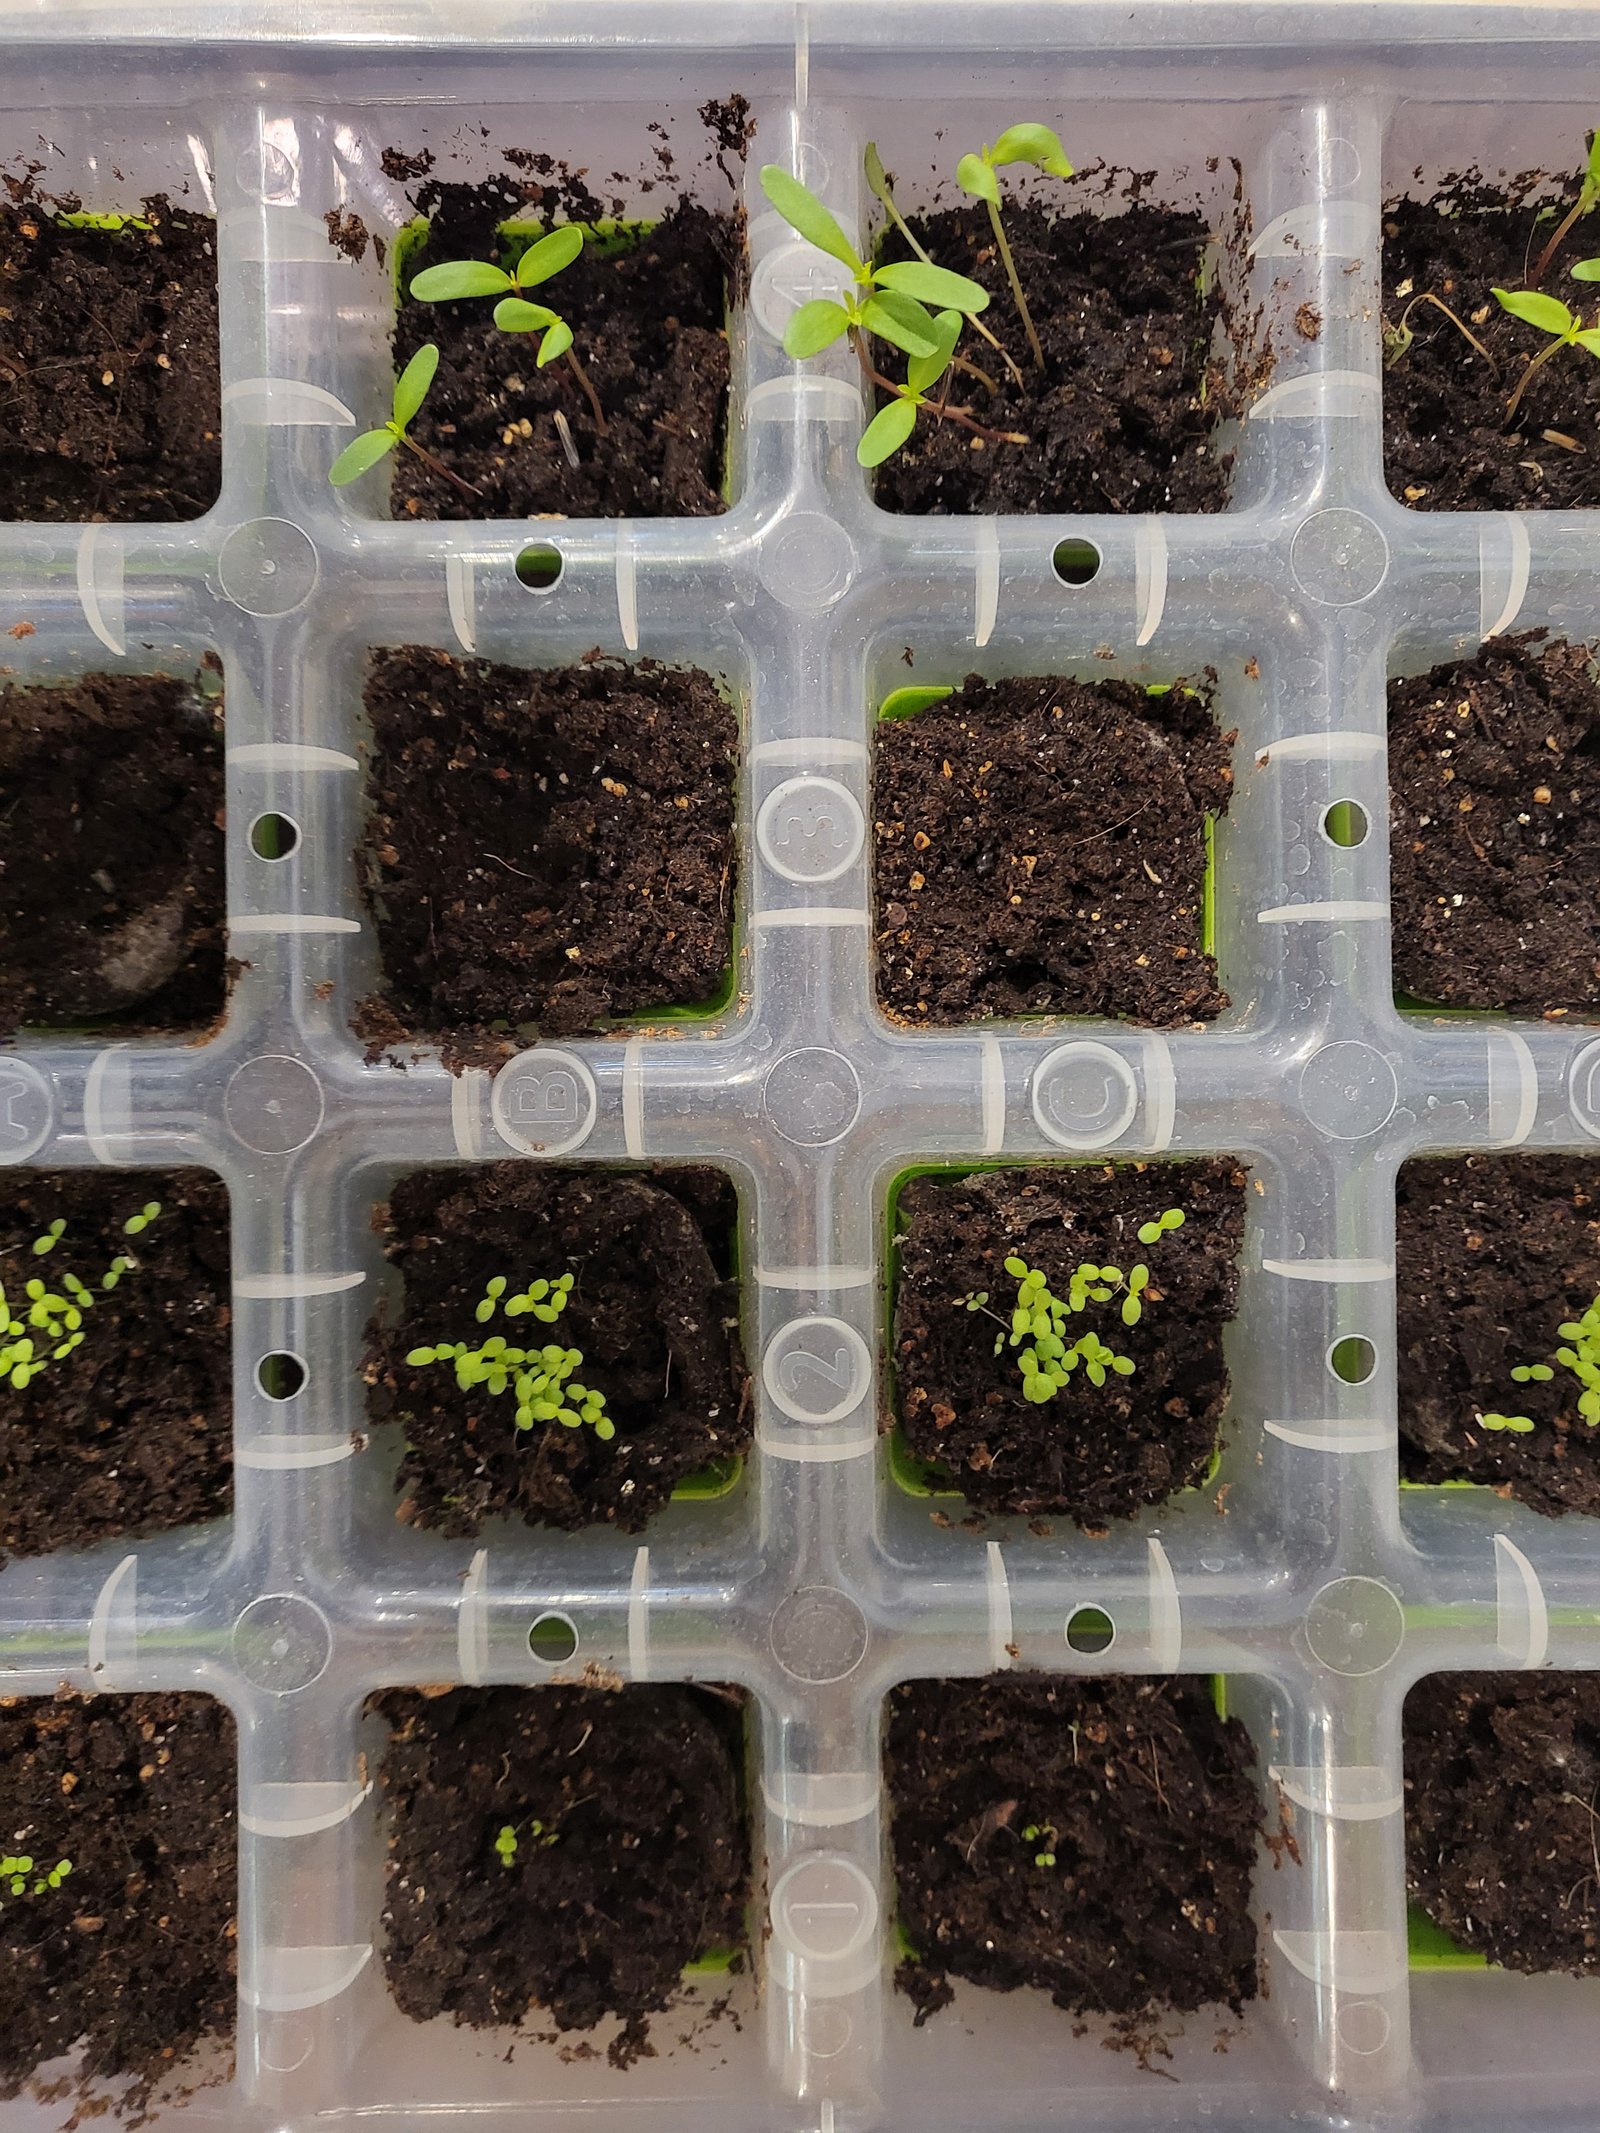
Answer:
(1032, 144)
(900, 320)
(803, 211)
(514, 314)
(1548, 313)
(925, 371)
(555, 343)
(363, 452)
(886, 432)
(457, 278)
(975, 176)
(1586, 270)
(815, 326)
(933, 285)
(411, 387)
(877, 176)
(547, 256)
(1590, 339)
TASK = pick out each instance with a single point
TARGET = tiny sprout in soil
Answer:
(506, 1840)
(1581, 1356)
(1551, 316)
(975, 174)
(410, 390)
(1043, 1834)
(1588, 194)
(542, 1378)
(51, 1322)
(18, 1878)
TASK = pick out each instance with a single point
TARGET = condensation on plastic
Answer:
(1301, 1574)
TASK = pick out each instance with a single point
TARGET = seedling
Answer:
(506, 1840)
(1153, 1232)
(1398, 338)
(542, 1378)
(1581, 1356)
(1588, 194)
(1550, 315)
(882, 191)
(1044, 1835)
(410, 390)
(894, 422)
(976, 174)
(542, 260)
(16, 1874)
(50, 1323)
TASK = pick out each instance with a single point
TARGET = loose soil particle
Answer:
(1122, 419)
(654, 1310)
(1494, 1253)
(112, 902)
(641, 1865)
(133, 1954)
(1040, 849)
(1140, 1790)
(1494, 812)
(1502, 1772)
(651, 331)
(545, 848)
(1093, 1453)
(110, 376)
(1447, 445)
(132, 1432)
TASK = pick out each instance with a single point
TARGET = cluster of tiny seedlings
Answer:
(1039, 1319)
(914, 305)
(541, 1378)
(1581, 1356)
(49, 1324)
(19, 1877)
(506, 1839)
(1044, 1835)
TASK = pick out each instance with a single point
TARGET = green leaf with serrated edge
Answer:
(923, 371)
(974, 176)
(803, 211)
(457, 278)
(547, 256)
(1032, 144)
(514, 314)
(1548, 313)
(555, 343)
(933, 285)
(1585, 270)
(411, 387)
(877, 176)
(363, 452)
(815, 326)
(886, 432)
(1589, 338)
(901, 321)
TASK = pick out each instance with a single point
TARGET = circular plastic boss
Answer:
(26, 1111)
(544, 1102)
(1348, 1090)
(281, 1643)
(268, 567)
(1355, 1626)
(807, 562)
(1340, 557)
(1084, 1095)
(812, 1096)
(273, 1104)
(818, 1634)
(789, 276)
(810, 829)
(824, 1908)
(817, 1369)
(1583, 1089)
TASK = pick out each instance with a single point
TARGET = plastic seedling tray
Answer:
(1317, 1589)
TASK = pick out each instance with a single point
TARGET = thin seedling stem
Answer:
(594, 398)
(438, 466)
(1427, 297)
(1550, 348)
(972, 369)
(941, 411)
(1541, 265)
(973, 320)
(1016, 286)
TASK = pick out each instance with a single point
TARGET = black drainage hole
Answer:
(280, 1375)
(274, 836)
(539, 566)
(1090, 1629)
(552, 1639)
(1076, 562)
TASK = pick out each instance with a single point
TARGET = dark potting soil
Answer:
(545, 848)
(1123, 416)
(1144, 1796)
(650, 322)
(1447, 443)
(110, 376)
(132, 1432)
(1494, 811)
(1501, 1774)
(654, 1310)
(132, 1954)
(1040, 849)
(1093, 1452)
(112, 903)
(1493, 1254)
(631, 1856)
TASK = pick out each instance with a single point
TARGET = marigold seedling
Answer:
(883, 193)
(1588, 194)
(976, 174)
(1397, 339)
(365, 451)
(1551, 316)
(542, 1379)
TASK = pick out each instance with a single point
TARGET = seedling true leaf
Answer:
(975, 174)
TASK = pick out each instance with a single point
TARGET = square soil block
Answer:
(112, 901)
(1040, 848)
(1093, 1452)
(132, 1431)
(563, 1851)
(110, 377)
(1448, 443)
(1501, 1776)
(1494, 810)
(1123, 414)
(650, 323)
(545, 849)
(1494, 1253)
(130, 1953)
(653, 1311)
(1095, 1839)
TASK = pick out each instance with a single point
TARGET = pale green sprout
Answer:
(883, 193)
(49, 1324)
(365, 451)
(15, 1872)
(976, 174)
(1551, 316)
(1038, 1327)
(1580, 1355)
(542, 1379)
(1044, 1834)
(1588, 194)
(1152, 1232)
(456, 279)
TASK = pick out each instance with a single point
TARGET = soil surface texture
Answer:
(628, 1856)
(131, 1954)
(112, 898)
(1138, 1798)
(1093, 1452)
(650, 327)
(1448, 444)
(1494, 812)
(1502, 1771)
(1123, 415)
(545, 849)
(1494, 1254)
(110, 376)
(1041, 849)
(654, 1311)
